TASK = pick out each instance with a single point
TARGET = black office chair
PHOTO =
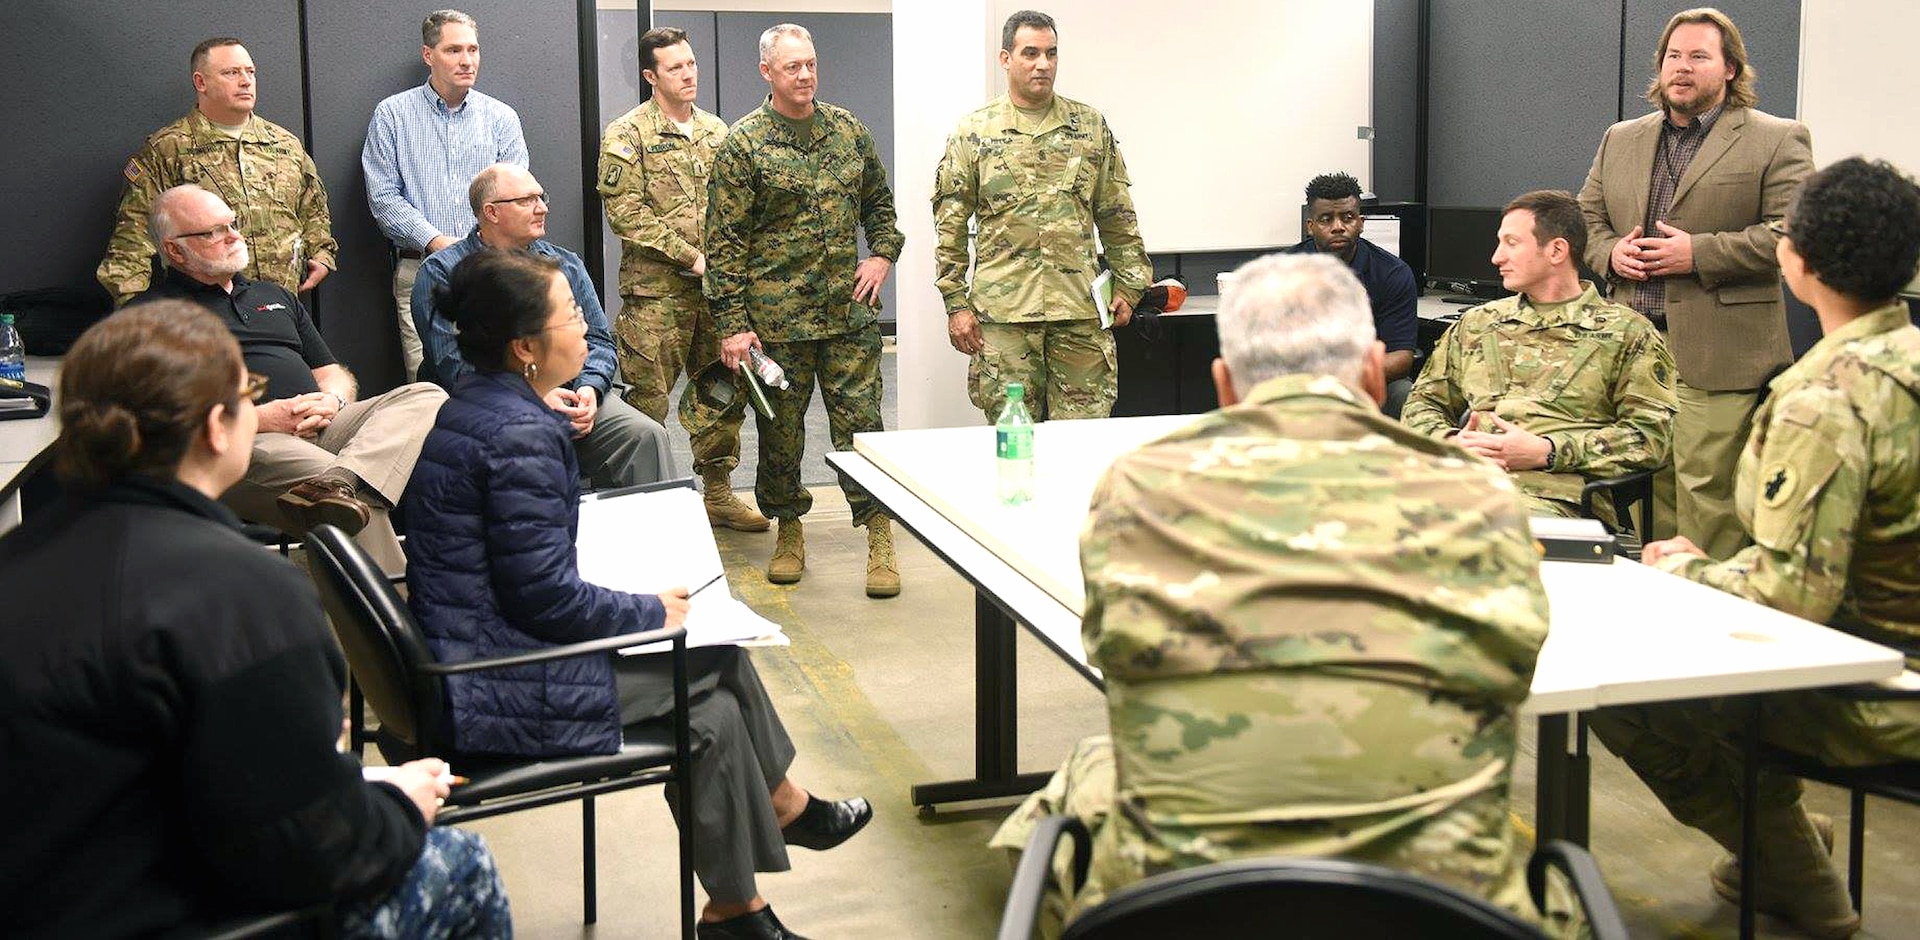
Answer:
(1898, 781)
(1624, 493)
(310, 923)
(1294, 897)
(406, 686)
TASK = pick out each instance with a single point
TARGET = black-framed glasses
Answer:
(256, 387)
(1778, 226)
(524, 202)
(216, 232)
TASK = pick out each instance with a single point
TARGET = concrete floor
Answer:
(878, 695)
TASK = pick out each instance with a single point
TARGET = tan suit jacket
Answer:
(1726, 321)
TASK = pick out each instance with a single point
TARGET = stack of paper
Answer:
(646, 543)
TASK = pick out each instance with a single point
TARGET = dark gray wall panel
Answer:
(86, 81)
(856, 73)
(361, 51)
(1771, 29)
(1396, 60)
(1521, 91)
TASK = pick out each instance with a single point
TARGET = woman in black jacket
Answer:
(492, 510)
(169, 691)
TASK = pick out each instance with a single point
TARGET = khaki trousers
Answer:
(411, 351)
(1709, 433)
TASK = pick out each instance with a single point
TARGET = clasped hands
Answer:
(1639, 256)
(301, 415)
(580, 406)
(1508, 445)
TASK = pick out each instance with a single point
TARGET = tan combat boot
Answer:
(725, 510)
(883, 573)
(789, 554)
(1802, 888)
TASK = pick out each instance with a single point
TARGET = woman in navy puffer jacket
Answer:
(492, 510)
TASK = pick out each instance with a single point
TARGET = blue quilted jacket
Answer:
(492, 509)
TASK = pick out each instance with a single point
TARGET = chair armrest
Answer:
(1603, 915)
(1642, 479)
(1036, 867)
(678, 635)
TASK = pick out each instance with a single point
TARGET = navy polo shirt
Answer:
(277, 338)
(1391, 290)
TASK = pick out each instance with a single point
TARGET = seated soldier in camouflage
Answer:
(1553, 384)
(1252, 711)
(1828, 489)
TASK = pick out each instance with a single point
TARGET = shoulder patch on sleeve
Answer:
(132, 170)
(1778, 483)
(621, 149)
(612, 179)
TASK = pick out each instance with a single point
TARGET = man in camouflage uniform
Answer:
(653, 175)
(1828, 489)
(789, 186)
(1042, 174)
(1251, 713)
(256, 166)
(1553, 384)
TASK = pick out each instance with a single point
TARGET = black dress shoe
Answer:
(759, 925)
(823, 825)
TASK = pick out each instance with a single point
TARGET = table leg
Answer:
(1550, 780)
(996, 736)
(1749, 821)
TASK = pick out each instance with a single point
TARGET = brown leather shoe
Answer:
(326, 501)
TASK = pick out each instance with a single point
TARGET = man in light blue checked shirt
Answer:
(424, 145)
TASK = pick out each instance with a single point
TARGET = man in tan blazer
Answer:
(1676, 205)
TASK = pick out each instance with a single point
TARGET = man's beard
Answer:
(221, 268)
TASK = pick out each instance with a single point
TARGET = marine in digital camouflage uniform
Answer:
(653, 177)
(1254, 714)
(1828, 489)
(1591, 377)
(1041, 182)
(786, 199)
(264, 174)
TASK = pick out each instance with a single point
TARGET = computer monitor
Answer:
(1460, 242)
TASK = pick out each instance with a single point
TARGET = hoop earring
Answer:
(531, 371)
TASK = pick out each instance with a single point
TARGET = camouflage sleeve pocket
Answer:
(1796, 463)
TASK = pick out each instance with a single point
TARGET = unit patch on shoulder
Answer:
(1777, 485)
(612, 178)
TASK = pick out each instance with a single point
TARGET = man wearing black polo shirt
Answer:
(1334, 223)
(320, 456)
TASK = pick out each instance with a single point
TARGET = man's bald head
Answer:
(509, 207)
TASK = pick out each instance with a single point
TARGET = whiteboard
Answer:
(1223, 108)
(1857, 78)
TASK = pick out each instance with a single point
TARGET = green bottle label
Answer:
(1015, 443)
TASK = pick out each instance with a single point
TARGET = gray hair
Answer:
(773, 34)
(431, 26)
(485, 184)
(160, 222)
(1294, 314)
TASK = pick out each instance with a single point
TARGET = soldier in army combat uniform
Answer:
(1041, 174)
(254, 165)
(1553, 384)
(1828, 489)
(1206, 554)
(654, 162)
(790, 185)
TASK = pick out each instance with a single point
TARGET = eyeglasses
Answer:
(1778, 227)
(524, 202)
(256, 387)
(216, 232)
(579, 319)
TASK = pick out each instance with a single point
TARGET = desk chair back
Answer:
(384, 647)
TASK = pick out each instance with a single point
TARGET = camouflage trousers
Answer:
(847, 369)
(661, 338)
(1376, 772)
(1689, 755)
(453, 890)
(1067, 366)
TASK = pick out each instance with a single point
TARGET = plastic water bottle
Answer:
(13, 351)
(769, 371)
(1013, 446)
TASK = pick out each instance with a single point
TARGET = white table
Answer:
(27, 443)
(1620, 633)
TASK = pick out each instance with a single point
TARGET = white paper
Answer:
(645, 543)
(1102, 294)
(1384, 230)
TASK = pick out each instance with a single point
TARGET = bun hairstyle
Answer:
(136, 388)
(494, 297)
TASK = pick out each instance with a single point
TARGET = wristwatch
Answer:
(1552, 451)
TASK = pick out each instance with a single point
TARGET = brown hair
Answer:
(658, 37)
(1740, 91)
(137, 386)
(197, 59)
(1556, 214)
